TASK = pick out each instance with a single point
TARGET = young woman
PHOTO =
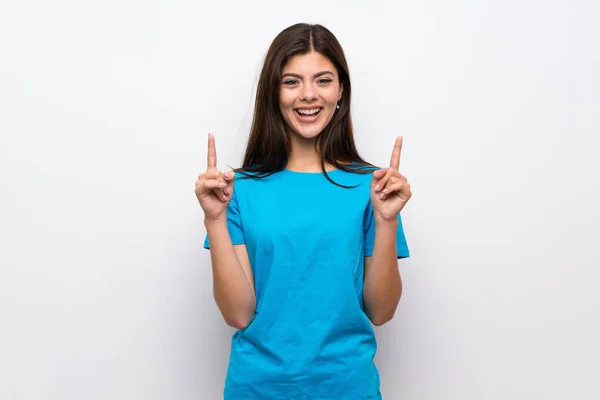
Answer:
(304, 250)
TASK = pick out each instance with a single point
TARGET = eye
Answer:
(290, 82)
(325, 81)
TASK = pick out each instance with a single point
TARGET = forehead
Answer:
(308, 63)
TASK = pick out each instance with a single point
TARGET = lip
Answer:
(308, 108)
(308, 119)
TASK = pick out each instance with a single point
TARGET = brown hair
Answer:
(268, 145)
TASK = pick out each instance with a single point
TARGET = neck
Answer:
(303, 155)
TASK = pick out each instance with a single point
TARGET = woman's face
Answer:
(310, 90)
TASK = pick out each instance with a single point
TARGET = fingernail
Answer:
(377, 188)
(226, 175)
(382, 195)
(225, 198)
(223, 184)
(385, 191)
(225, 191)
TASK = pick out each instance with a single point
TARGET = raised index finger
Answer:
(395, 161)
(212, 153)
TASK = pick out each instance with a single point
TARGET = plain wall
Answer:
(105, 107)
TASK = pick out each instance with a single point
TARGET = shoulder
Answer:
(360, 168)
(360, 172)
(249, 181)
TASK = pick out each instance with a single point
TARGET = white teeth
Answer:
(309, 112)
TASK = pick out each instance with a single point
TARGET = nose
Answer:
(308, 92)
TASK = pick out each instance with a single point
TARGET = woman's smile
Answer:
(308, 115)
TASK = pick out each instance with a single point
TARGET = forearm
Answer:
(383, 285)
(232, 291)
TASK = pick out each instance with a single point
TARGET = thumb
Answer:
(377, 175)
(229, 177)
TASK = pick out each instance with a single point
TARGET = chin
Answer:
(308, 134)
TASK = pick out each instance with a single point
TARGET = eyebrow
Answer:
(318, 74)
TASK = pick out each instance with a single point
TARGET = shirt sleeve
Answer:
(234, 223)
(369, 235)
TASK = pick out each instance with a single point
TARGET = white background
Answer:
(105, 290)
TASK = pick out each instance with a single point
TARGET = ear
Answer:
(340, 92)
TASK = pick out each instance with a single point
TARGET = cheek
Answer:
(332, 97)
(286, 110)
(283, 109)
(285, 101)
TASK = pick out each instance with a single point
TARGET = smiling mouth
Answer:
(309, 113)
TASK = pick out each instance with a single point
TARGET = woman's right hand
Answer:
(214, 189)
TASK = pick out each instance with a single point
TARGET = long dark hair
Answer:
(268, 145)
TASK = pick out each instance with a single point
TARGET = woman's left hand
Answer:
(389, 188)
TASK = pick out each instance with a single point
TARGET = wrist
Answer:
(212, 223)
(383, 223)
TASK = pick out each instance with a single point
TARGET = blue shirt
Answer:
(310, 338)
